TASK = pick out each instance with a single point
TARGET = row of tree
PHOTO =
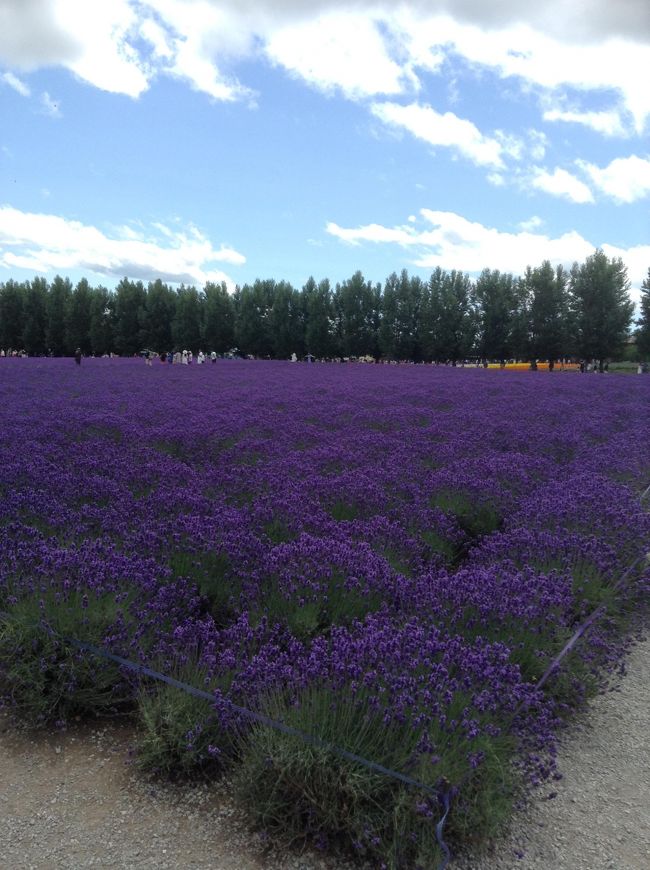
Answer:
(548, 313)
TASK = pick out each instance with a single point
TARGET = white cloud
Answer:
(608, 123)
(453, 242)
(50, 107)
(338, 51)
(105, 56)
(445, 130)
(32, 36)
(48, 243)
(404, 235)
(533, 223)
(537, 142)
(16, 84)
(194, 38)
(636, 259)
(158, 38)
(587, 20)
(561, 183)
(534, 57)
(496, 179)
(364, 48)
(625, 179)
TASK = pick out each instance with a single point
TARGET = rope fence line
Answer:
(255, 717)
(443, 795)
(552, 669)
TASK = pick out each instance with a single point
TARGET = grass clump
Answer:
(44, 677)
(180, 734)
(476, 518)
(312, 609)
(212, 573)
(299, 791)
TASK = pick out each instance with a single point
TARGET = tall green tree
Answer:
(601, 306)
(357, 303)
(12, 301)
(157, 317)
(520, 321)
(252, 331)
(186, 326)
(497, 298)
(548, 311)
(78, 320)
(317, 301)
(286, 322)
(130, 301)
(643, 323)
(218, 318)
(102, 321)
(399, 329)
(35, 317)
(388, 327)
(447, 319)
(58, 306)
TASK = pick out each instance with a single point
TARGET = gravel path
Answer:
(599, 818)
(73, 800)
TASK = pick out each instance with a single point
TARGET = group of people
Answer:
(180, 357)
(592, 366)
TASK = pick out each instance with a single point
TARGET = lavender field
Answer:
(386, 558)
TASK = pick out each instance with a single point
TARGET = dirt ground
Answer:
(75, 800)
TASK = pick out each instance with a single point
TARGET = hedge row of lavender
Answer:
(386, 558)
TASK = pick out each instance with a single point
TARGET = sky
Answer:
(228, 140)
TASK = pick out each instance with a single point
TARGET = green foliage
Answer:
(58, 303)
(35, 317)
(448, 318)
(600, 306)
(476, 518)
(214, 578)
(130, 297)
(43, 677)
(399, 330)
(11, 314)
(344, 511)
(180, 734)
(497, 294)
(277, 531)
(299, 791)
(549, 339)
(186, 325)
(643, 323)
(318, 317)
(253, 305)
(218, 318)
(451, 552)
(286, 322)
(308, 610)
(158, 316)
(356, 306)
(102, 319)
(78, 317)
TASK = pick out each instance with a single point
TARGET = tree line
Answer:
(547, 313)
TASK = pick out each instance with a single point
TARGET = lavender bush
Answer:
(387, 558)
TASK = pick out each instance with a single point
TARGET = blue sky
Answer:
(199, 140)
